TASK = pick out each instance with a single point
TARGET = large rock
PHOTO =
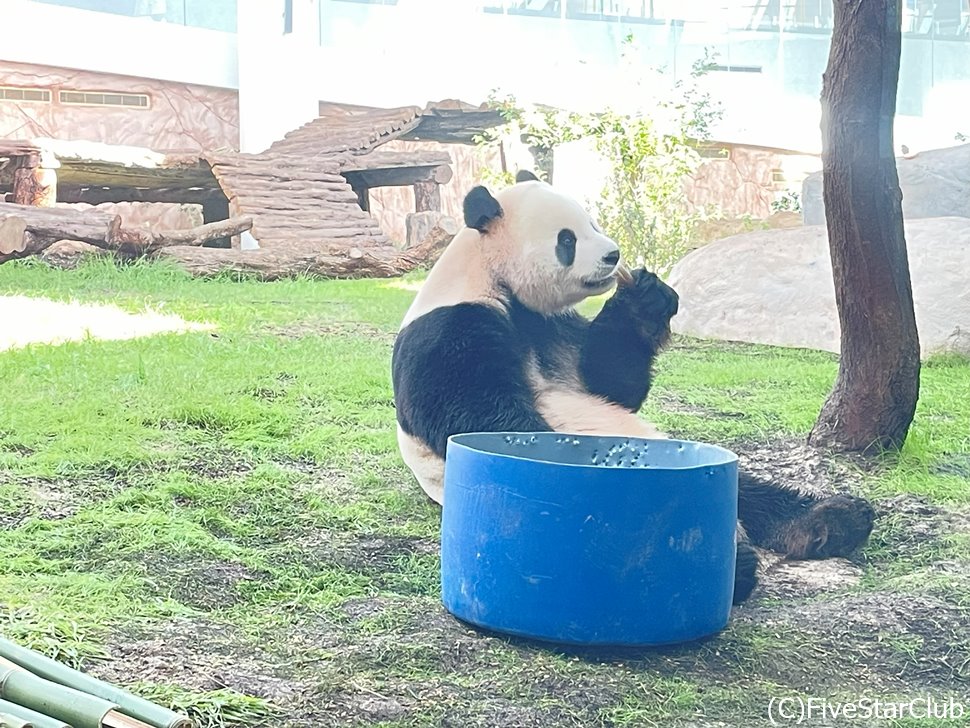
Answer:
(934, 184)
(775, 287)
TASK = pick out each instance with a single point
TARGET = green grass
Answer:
(235, 497)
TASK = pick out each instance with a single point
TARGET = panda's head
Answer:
(541, 245)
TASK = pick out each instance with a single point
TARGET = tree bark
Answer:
(874, 398)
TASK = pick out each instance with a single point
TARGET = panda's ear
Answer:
(525, 175)
(481, 209)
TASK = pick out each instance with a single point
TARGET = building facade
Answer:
(146, 62)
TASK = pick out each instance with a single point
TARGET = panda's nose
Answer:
(612, 258)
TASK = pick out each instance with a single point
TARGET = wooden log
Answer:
(265, 197)
(32, 246)
(427, 197)
(68, 254)
(12, 235)
(146, 242)
(381, 159)
(60, 223)
(274, 263)
(97, 195)
(432, 244)
(400, 176)
(44, 226)
(33, 183)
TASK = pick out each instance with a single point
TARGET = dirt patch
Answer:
(670, 402)
(202, 583)
(794, 463)
(201, 656)
(56, 498)
(886, 641)
(302, 329)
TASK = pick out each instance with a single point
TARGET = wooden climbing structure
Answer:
(307, 195)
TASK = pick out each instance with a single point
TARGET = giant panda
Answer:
(492, 342)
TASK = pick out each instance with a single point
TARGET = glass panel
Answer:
(212, 14)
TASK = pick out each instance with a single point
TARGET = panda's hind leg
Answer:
(745, 570)
(801, 525)
(833, 526)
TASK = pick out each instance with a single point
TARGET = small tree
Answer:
(650, 151)
(874, 398)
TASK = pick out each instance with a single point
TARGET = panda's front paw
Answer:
(651, 302)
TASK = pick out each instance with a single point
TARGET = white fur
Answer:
(428, 468)
(519, 251)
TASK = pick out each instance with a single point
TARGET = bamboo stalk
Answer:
(131, 705)
(58, 701)
(12, 721)
(114, 719)
(38, 720)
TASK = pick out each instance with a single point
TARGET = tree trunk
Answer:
(33, 184)
(427, 197)
(874, 398)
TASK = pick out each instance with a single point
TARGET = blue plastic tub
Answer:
(589, 540)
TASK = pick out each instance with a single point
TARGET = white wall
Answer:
(277, 72)
(72, 38)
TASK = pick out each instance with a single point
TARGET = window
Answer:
(11, 93)
(101, 98)
(737, 69)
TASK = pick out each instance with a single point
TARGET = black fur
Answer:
(624, 339)
(801, 525)
(566, 247)
(471, 376)
(481, 209)
(525, 175)
(745, 571)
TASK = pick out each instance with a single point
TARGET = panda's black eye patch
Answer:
(566, 247)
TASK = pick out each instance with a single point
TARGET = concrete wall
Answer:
(179, 115)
